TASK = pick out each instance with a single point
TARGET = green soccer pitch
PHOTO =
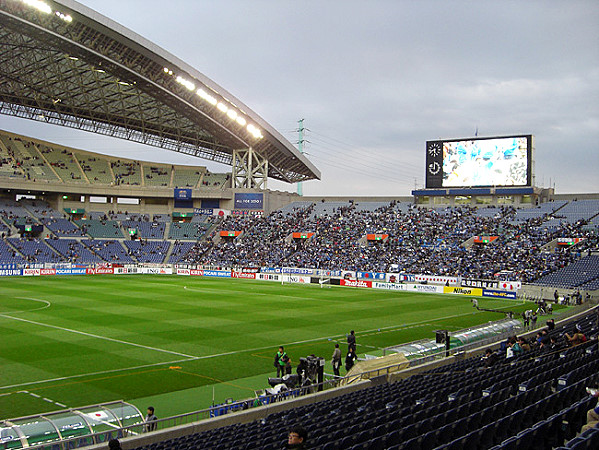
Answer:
(174, 342)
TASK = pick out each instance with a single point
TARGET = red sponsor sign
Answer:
(100, 271)
(196, 272)
(356, 283)
(47, 271)
(250, 276)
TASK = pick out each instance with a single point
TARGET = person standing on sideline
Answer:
(336, 360)
(351, 341)
(279, 364)
(150, 420)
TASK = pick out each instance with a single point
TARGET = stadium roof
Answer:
(66, 64)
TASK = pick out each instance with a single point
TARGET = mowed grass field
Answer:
(174, 342)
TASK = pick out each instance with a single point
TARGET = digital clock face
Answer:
(434, 149)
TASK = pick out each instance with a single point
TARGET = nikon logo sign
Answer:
(463, 291)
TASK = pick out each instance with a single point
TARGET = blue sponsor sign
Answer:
(10, 272)
(249, 201)
(182, 194)
(371, 276)
(73, 271)
(217, 273)
(203, 211)
(499, 294)
(270, 270)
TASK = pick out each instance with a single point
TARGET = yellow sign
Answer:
(463, 291)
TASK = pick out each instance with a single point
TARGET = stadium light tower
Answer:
(300, 147)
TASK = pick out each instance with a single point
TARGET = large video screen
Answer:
(497, 161)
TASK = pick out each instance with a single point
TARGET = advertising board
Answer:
(10, 272)
(499, 294)
(389, 286)
(463, 291)
(428, 288)
(245, 275)
(356, 283)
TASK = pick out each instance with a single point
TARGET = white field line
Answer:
(83, 333)
(47, 304)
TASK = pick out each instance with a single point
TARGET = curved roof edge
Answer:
(136, 40)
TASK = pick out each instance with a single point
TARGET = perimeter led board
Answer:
(476, 162)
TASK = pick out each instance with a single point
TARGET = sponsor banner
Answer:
(268, 277)
(370, 275)
(348, 275)
(499, 294)
(10, 272)
(250, 269)
(356, 283)
(510, 285)
(47, 271)
(203, 211)
(296, 279)
(389, 286)
(463, 291)
(155, 270)
(186, 272)
(247, 212)
(99, 271)
(395, 277)
(429, 288)
(125, 270)
(485, 284)
(248, 200)
(327, 273)
(31, 272)
(435, 279)
(211, 273)
(72, 271)
(293, 270)
(249, 276)
(8, 266)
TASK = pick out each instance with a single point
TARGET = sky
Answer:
(374, 80)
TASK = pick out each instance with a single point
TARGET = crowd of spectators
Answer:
(418, 240)
(421, 240)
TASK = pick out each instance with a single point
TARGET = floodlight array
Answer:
(46, 9)
(222, 105)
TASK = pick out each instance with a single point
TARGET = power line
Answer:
(350, 146)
